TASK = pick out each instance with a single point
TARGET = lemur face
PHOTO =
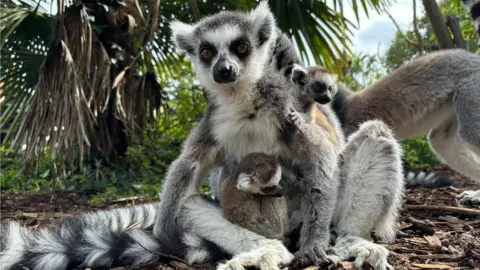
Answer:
(316, 83)
(228, 49)
(260, 174)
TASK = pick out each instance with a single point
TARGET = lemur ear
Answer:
(244, 181)
(334, 77)
(183, 36)
(299, 75)
(263, 22)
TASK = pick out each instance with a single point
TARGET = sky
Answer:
(376, 32)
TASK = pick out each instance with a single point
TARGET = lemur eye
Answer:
(330, 88)
(242, 48)
(206, 54)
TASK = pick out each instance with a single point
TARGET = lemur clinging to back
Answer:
(248, 96)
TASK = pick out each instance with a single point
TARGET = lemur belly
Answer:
(315, 116)
(240, 133)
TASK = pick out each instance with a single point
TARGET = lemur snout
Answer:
(223, 72)
(323, 98)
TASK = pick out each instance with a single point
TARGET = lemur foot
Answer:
(363, 251)
(312, 254)
(267, 256)
(470, 196)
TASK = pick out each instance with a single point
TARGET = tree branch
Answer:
(415, 29)
(452, 209)
(400, 30)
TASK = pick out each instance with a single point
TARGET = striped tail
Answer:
(97, 239)
(430, 180)
(474, 7)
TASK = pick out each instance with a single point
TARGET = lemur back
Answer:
(251, 196)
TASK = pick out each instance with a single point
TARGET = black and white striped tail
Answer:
(474, 7)
(98, 239)
(430, 180)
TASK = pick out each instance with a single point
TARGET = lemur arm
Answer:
(184, 177)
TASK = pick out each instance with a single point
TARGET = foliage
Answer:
(401, 51)
(417, 153)
(146, 161)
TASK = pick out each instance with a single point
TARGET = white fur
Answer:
(275, 180)
(51, 261)
(232, 128)
(143, 250)
(369, 168)
(267, 256)
(181, 29)
(97, 253)
(244, 182)
(472, 196)
(196, 253)
(16, 243)
(223, 36)
(363, 251)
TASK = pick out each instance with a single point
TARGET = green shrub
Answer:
(417, 153)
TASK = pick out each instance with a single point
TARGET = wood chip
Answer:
(433, 241)
(432, 266)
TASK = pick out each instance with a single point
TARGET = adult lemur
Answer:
(248, 96)
(439, 93)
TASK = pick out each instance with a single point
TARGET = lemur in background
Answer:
(244, 66)
(437, 93)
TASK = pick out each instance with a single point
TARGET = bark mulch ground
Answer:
(437, 232)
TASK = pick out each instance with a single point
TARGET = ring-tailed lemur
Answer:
(252, 196)
(318, 87)
(238, 120)
(437, 93)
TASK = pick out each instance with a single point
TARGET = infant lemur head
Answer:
(228, 49)
(316, 83)
(259, 173)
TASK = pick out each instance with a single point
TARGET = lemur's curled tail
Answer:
(428, 180)
(96, 239)
(474, 7)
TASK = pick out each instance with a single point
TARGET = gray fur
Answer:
(437, 93)
(248, 115)
(370, 194)
(91, 239)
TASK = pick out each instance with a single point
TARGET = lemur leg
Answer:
(447, 142)
(201, 217)
(370, 195)
(318, 200)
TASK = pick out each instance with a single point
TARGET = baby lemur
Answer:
(316, 88)
(252, 197)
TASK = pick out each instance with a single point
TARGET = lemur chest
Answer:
(245, 130)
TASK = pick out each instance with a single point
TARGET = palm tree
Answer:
(87, 78)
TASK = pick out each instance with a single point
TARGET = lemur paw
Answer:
(470, 196)
(313, 254)
(363, 251)
(296, 119)
(267, 256)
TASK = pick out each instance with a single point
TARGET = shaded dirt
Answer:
(429, 239)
